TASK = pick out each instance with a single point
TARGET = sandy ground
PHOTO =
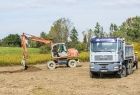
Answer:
(38, 80)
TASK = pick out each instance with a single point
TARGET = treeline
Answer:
(12, 40)
(63, 30)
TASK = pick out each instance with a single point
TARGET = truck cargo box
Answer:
(129, 52)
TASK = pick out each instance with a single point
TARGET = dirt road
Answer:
(64, 81)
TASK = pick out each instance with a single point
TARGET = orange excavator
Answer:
(60, 55)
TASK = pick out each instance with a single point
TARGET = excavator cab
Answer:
(59, 50)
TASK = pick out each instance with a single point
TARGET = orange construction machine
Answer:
(60, 55)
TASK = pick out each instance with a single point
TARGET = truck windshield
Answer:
(103, 46)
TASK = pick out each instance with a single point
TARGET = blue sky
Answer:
(35, 16)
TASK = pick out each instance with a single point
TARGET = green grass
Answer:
(16, 50)
(13, 55)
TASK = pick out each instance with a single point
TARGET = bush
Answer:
(137, 48)
(45, 49)
(84, 57)
(80, 47)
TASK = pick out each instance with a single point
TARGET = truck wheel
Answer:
(51, 65)
(137, 65)
(93, 75)
(129, 69)
(122, 72)
(72, 63)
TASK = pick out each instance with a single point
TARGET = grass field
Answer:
(13, 56)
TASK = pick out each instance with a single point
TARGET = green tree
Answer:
(130, 29)
(45, 49)
(98, 30)
(60, 30)
(33, 44)
(85, 39)
(74, 38)
(43, 35)
(0, 42)
(74, 35)
(81, 47)
(12, 40)
(113, 28)
(90, 34)
(85, 42)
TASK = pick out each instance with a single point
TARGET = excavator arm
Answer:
(24, 42)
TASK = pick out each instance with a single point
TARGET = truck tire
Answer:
(72, 63)
(122, 72)
(51, 65)
(137, 65)
(92, 75)
(129, 69)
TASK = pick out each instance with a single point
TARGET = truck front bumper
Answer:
(105, 68)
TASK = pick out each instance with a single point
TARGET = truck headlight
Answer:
(91, 65)
(116, 68)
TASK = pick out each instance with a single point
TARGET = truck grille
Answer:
(103, 57)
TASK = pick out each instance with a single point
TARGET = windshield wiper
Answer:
(103, 51)
(98, 51)
(109, 51)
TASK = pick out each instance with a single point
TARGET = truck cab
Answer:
(108, 55)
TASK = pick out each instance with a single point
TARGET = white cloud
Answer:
(128, 2)
(121, 3)
(26, 4)
(71, 1)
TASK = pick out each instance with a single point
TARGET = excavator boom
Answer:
(24, 42)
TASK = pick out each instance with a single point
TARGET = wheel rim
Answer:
(51, 65)
(123, 71)
(72, 63)
(129, 69)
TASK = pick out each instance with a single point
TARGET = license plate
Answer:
(103, 70)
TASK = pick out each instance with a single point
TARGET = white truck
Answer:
(111, 55)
